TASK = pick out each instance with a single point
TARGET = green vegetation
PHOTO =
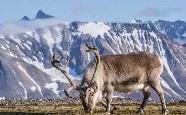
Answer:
(73, 109)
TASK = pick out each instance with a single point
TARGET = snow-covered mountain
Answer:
(174, 30)
(27, 46)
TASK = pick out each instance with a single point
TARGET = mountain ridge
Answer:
(31, 50)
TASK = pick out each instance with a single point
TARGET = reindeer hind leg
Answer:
(108, 98)
(157, 87)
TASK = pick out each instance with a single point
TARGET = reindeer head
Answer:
(86, 90)
(87, 96)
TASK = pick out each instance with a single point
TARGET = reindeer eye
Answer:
(89, 90)
(91, 94)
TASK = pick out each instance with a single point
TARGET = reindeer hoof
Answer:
(165, 112)
(108, 113)
(140, 111)
(91, 111)
(113, 110)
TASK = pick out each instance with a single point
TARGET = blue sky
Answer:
(95, 10)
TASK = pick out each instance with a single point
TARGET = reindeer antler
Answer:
(54, 60)
(96, 52)
(90, 47)
(72, 83)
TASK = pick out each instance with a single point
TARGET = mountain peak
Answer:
(136, 21)
(40, 15)
(26, 18)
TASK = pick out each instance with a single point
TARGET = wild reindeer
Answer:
(122, 73)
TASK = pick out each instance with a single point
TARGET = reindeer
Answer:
(121, 73)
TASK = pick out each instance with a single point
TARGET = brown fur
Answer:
(130, 68)
(123, 73)
(126, 72)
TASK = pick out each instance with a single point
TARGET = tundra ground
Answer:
(76, 109)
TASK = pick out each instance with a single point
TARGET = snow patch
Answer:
(24, 89)
(26, 74)
(94, 29)
(55, 74)
(58, 38)
(33, 88)
(3, 47)
(162, 53)
(11, 54)
(171, 74)
(27, 46)
(184, 35)
(29, 43)
(169, 88)
(2, 98)
(153, 34)
(53, 86)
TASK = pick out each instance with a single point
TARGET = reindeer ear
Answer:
(83, 88)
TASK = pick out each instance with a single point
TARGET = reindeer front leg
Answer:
(103, 103)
